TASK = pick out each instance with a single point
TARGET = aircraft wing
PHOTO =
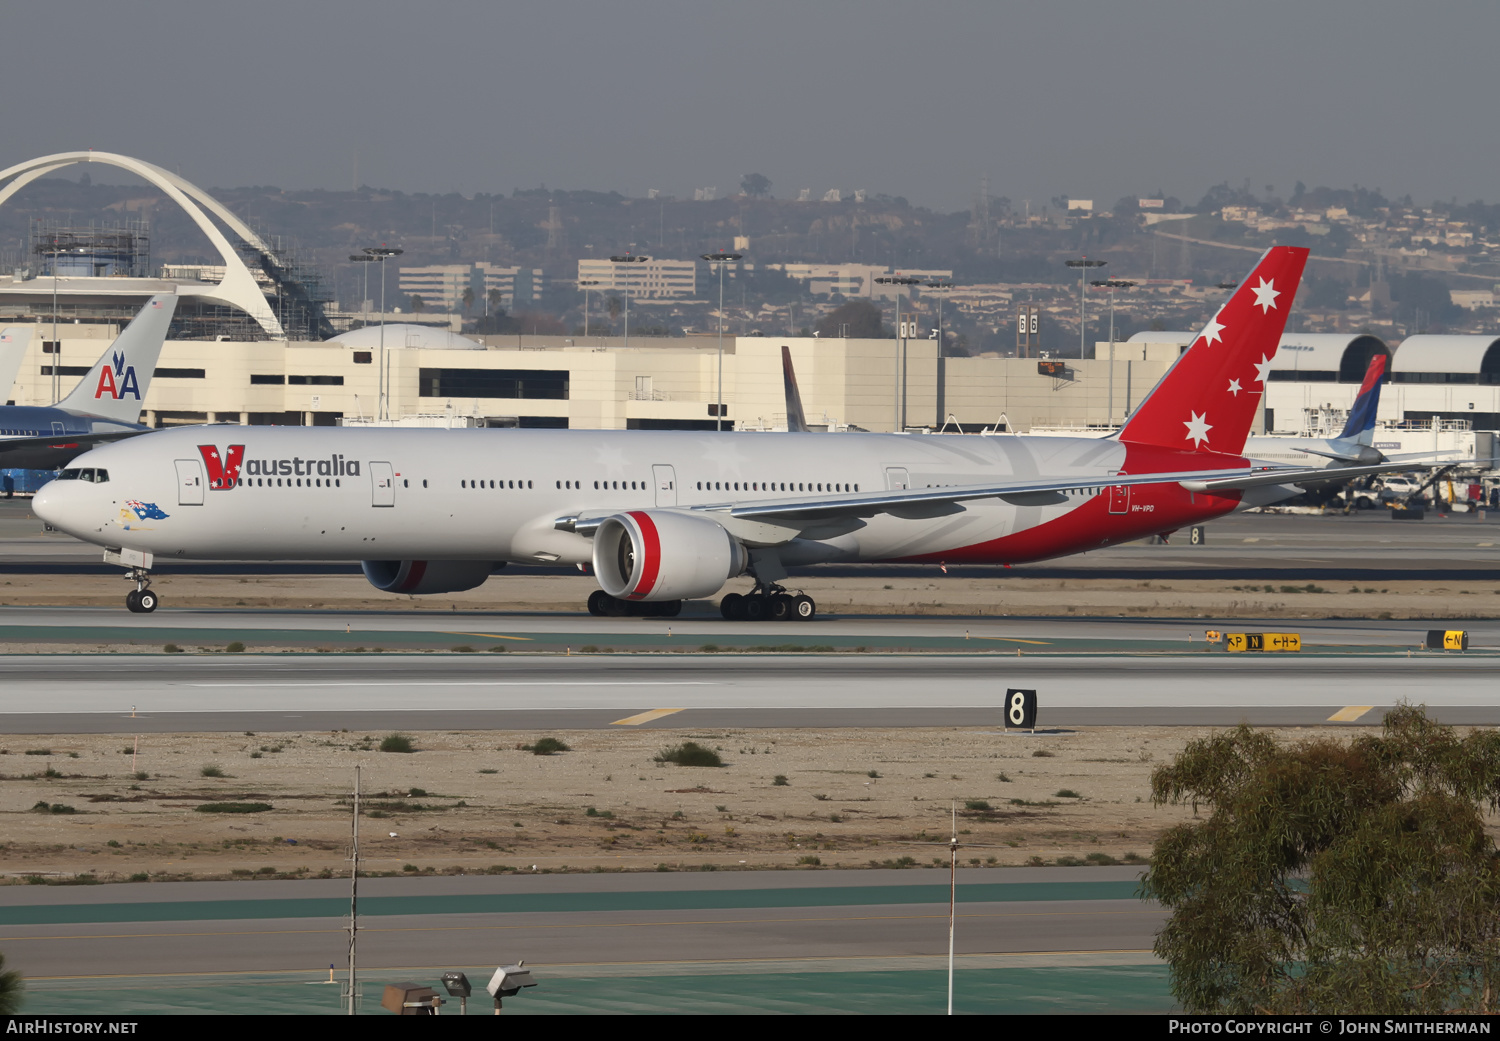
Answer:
(26, 444)
(1260, 478)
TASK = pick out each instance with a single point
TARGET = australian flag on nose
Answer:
(146, 510)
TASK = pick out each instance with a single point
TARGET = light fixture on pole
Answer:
(584, 284)
(1112, 284)
(628, 258)
(720, 258)
(383, 253)
(1082, 264)
(898, 281)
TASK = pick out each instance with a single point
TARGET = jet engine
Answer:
(426, 576)
(664, 555)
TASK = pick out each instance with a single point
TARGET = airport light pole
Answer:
(1083, 264)
(382, 253)
(628, 258)
(720, 258)
(944, 286)
(899, 281)
(1112, 284)
(584, 284)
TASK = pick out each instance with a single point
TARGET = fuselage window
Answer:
(338, 483)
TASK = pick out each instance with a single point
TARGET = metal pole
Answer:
(719, 395)
(1111, 420)
(1082, 319)
(585, 311)
(896, 406)
(628, 270)
(381, 411)
(56, 346)
(354, 895)
(952, 900)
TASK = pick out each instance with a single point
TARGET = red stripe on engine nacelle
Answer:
(650, 556)
(414, 575)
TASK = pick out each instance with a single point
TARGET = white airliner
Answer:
(659, 517)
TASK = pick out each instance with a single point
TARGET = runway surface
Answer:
(159, 693)
(839, 923)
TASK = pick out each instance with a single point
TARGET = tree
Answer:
(1333, 876)
(11, 987)
(859, 319)
(757, 186)
(468, 297)
(418, 305)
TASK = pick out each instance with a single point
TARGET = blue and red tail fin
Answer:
(1362, 414)
(1207, 401)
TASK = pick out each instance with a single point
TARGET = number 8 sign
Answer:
(1020, 709)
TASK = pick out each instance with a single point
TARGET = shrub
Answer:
(873, 773)
(172, 648)
(235, 648)
(689, 753)
(976, 804)
(416, 793)
(1068, 793)
(462, 648)
(546, 746)
(397, 743)
(212, 770)
(1003, 776)
(780, 781)
(233, 807)
(810, 861)
(1042, 753)
(38, 751)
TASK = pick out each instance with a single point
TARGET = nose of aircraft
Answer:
(61, 510)
(45, 503)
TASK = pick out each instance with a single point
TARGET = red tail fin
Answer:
(1207, 401)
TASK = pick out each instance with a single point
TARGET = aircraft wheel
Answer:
(133, 601)
(147, 601)
(598, 601)
(755, 608)
(779, 608)
(732, 607)
(669, 609)
(804, 609)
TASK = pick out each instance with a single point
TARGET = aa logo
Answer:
(117, 380)
(223, 473)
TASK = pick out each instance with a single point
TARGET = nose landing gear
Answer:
(141, 600)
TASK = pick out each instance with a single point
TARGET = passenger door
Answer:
(1119, 496)
(896, 478)
(383, 477)
(666, 485)
(189, 482)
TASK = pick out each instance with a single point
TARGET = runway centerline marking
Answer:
(1349, 714)
(645, 717)
(488, 636)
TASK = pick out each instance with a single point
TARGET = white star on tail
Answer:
(1211, 332)
(1198, 428)
(1265, 295)
(1262, 368)
(1234, 387)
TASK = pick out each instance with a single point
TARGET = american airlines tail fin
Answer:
(1208, 399)
(796, 419)
(14, 340)
(1360, 427)
(116, 386)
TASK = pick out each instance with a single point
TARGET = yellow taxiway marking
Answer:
(489, 636)
(1014, 639)
(644, 717)
(1350, 714)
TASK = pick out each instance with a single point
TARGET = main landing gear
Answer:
(768, 603)
(141, 600)
(602, 604)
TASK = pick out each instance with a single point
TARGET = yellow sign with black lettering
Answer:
(1455, 640)
(1239, 643)
(1213, 635)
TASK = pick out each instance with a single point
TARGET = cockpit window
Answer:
(101, 476)
(69, 475)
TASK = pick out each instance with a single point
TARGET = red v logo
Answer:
(223, 473)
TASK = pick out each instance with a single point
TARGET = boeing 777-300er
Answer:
(105, 406)
(662, 516)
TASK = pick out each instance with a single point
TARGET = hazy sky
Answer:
(1093, 100)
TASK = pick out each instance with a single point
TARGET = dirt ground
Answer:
(468, 802)
(931, 595)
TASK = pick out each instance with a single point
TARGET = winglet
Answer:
(796, 419)
(1208, 399)
(116, 386)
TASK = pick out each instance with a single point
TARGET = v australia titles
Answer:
(224, 471)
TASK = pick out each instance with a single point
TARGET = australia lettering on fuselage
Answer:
(224, 472)
(118, 380)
